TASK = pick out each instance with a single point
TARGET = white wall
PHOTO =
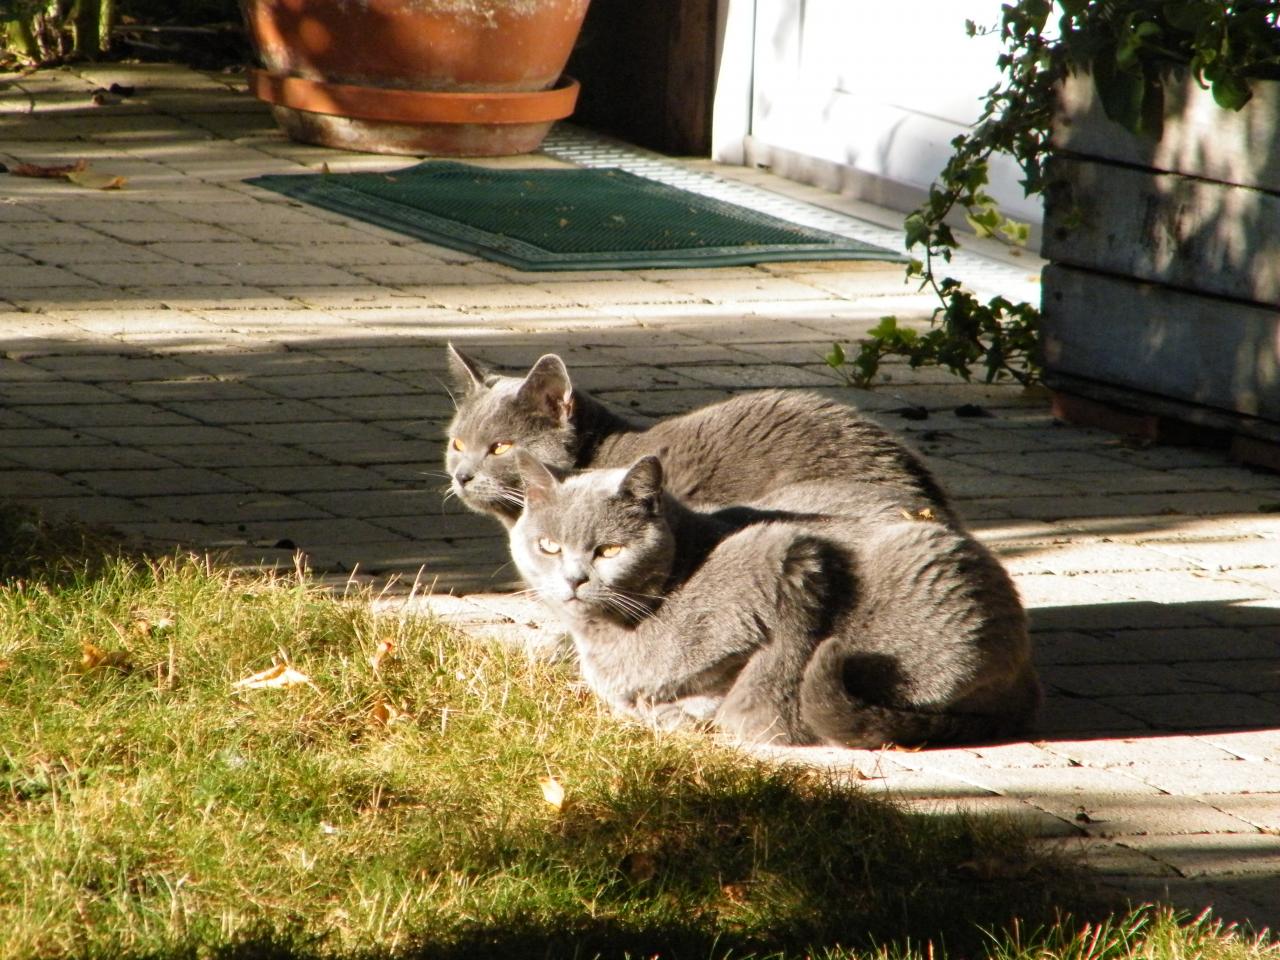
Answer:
(862, 96)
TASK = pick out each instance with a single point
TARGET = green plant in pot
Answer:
(1132, 48)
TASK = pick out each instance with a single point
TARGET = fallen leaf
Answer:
(639, 866)
(57, 171)
(384, 649)
(93, 180)
(924, 514)
(93, 657)
(384, 714)
(552, 791)
(144, 625)
(279, 676)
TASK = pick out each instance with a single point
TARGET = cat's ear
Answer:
(539, 482)
(643, 482)
(547, 389)
(468, 374)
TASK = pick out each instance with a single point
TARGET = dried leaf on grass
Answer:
(148, 625)
(94, 657)
(639, 866)
(383, 713)
(384, 649)
(280, 676)
(552, 791)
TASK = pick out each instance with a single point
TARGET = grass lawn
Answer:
(391, 788)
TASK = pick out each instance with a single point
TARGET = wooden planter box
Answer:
(1163, 291)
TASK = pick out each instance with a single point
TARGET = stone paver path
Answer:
(195, 360)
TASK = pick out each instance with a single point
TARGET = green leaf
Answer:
(836, 358)
(1231, 92)
(886, 328)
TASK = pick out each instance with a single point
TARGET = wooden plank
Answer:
(1192, 348)
(1163, 227)
(1200, 138)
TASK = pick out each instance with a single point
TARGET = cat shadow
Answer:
(1139, 668)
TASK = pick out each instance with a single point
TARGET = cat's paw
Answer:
(688, 713)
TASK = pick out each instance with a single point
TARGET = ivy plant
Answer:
(1131, 47)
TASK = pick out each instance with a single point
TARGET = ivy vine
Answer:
(1130, 47)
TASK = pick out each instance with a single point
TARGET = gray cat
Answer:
(818, 614)
(728, 452)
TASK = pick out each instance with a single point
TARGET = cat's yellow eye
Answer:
(609, 550)
(549, 547)
(457, 444)
(498, 449)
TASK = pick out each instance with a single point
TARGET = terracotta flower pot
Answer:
(445, 77)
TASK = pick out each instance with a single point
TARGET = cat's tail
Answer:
(836, 714)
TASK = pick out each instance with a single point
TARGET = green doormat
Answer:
(570, 219)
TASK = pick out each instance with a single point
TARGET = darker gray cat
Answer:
(818, 614)
(728, 452)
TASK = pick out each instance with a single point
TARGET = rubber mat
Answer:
(567, 219)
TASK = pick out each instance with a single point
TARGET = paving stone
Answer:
(1127, 751)
(755, 377)
(240, 412)
(317, 432)
(87, 457)
(381, 454)
(336, 477)
(98, 509)
(1111, 859)
(232, 508)
(1067, 784)
(1248, 744)
(916, 784)
(389, 407)
(1243, 676)
(1220, 854)
(243, 454)
(33, 485)
(1206, 778)
(435, 522)
(1261, 810)
(1126, 816)
(158, 480)
(333, 384)
(1199, 711)
(96, 416)
(33, 394)
(1114, 679)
